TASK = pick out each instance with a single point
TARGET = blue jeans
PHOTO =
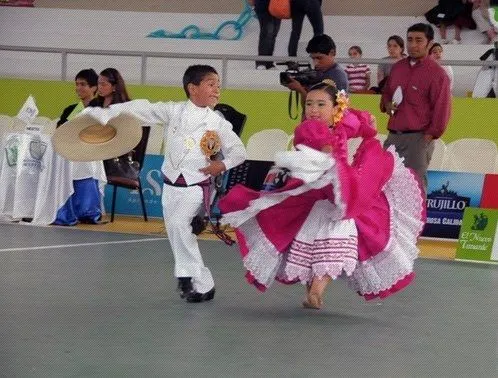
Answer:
(300, 8)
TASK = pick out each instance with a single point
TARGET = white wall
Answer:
(111, 30)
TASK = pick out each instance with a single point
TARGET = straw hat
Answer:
(84, 139)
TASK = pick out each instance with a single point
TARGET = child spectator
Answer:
(358, 74)
(436, 53)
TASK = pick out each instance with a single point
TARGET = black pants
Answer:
(268, 30)
(300, 8)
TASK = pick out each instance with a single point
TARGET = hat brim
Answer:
(84, 139)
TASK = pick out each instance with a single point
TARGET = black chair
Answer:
(128, 178)
(236, 118)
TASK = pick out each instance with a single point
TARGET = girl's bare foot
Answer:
(313, 301)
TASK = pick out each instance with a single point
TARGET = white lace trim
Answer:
(396, 261)
(263, 259)
(292, 272)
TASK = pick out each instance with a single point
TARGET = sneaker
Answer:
(444, 41)
(456, 42)
(261, 67)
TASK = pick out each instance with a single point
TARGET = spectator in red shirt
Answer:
(422, 113)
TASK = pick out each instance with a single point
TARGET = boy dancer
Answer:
(193, 132)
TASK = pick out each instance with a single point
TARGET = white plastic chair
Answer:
(438, 156)
(18, 126)
(156, 138)
(381, 138)
(471, 155)
(49, 125)
(263, 144)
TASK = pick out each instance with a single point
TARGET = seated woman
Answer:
(436, 53)
(334, 219)
(452, 12)
(485, 16)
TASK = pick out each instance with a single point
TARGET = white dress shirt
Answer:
(185, 124)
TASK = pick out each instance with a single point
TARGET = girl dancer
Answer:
(331, 219)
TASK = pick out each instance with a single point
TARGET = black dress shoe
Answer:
(185, 286)
(195, 297)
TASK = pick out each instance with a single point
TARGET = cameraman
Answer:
(322, 50)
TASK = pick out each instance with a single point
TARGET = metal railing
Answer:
(144, 55)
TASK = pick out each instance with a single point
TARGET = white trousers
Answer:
(180, 205)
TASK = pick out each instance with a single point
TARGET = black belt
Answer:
(181, 182)
(404, 131)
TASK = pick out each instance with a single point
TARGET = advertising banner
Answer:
(128, 201)
(478, 235)
(448, 194)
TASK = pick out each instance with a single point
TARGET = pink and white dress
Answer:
(359, 221)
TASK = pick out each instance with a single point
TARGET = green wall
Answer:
(471, 118)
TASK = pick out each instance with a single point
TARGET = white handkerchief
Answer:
(398, 96)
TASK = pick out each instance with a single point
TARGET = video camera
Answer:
(302, 72)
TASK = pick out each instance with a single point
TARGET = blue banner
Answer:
(448, 194)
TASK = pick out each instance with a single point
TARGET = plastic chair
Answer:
(131, 183)
(471, 155)
(156, 139)
(263, 144)
(438, 156)
(290, 143)
(381, 137)
(49, 125)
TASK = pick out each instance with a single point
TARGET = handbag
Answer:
(123, 166)
(280, 9)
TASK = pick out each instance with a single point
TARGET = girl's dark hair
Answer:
(434, 46)
(195, 74)
(399, 41)
(114, 77)
(330, 88)
(357, 48)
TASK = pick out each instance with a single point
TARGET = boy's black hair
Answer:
(195, 74)
(89, 75)
(322, 44)
(424, 28)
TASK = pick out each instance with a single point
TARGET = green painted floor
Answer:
(75, 303)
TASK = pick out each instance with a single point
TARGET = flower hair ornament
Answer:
(342, 100)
